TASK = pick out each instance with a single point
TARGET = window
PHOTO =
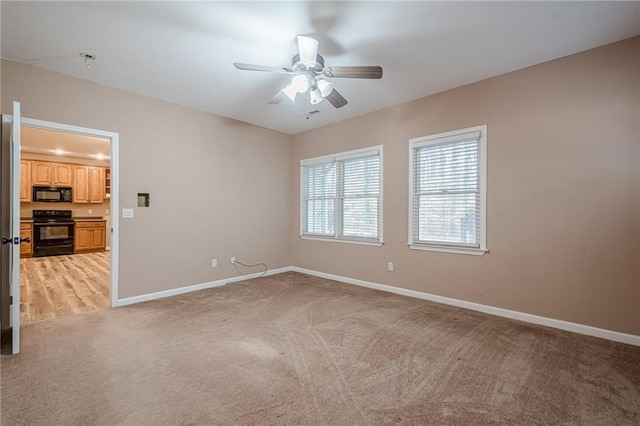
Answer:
(341, 197)
(447, 200)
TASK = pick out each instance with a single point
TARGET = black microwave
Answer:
(52, 194)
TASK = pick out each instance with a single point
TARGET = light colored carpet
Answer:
(294, 349)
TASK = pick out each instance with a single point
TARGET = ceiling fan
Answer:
(310, 75)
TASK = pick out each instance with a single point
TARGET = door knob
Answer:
(14, 240)
(25, 240)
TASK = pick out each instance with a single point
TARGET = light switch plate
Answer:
(127, 213)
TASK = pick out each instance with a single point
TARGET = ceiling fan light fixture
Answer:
(308, 71)
(308, 49)
(290, 91)
(300, 83)
(325, 87)
(315, 96)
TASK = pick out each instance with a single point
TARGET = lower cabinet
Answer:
(26, 231)
(90, 236)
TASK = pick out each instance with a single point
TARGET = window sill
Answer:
(449, 249)
(342, 240)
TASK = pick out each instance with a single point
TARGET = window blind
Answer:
(341, 196)
(359, 197)
(318, 197)
(446, 191)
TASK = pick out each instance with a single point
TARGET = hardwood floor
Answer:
(63, 285)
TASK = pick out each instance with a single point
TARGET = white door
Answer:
(14, 218)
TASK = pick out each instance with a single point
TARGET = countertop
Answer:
(77, 218)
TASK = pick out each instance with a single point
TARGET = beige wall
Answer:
(219, 188)
(563, 191)
(563, 187)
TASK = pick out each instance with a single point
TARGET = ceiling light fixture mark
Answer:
(87, 58)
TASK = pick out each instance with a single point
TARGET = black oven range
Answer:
(52, 232)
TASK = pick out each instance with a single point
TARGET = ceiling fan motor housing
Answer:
(298, 66)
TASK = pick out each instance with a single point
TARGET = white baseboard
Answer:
(615, 336)
(630, 339)
(195, 287)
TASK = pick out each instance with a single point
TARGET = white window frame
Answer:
(450, 137)
(336, 237)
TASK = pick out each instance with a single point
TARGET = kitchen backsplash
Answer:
(97, 210)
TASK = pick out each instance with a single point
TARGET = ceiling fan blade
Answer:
(336, 99)
(308, 49)
(277, 98)
(252, 67)
(353, 72)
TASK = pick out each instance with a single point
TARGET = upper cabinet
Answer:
(81, 187)
(47, 173)
(107, 183)
(25, 181)
(96, 184)
(63, 174)
(41, 173)
(89, 184)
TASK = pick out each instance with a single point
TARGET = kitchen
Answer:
(64, 207)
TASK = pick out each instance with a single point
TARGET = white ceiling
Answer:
(183, 52)
(49, 142)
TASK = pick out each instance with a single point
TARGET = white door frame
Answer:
(115, 188)
(14, 214)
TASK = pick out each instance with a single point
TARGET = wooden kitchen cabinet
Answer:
(96, 184)
(63, 174)
(81, 187)
(90, 236)
(107, 183)
(89, 184)
(26, 230)
(25, 181)
(48, 173)
(41, 173)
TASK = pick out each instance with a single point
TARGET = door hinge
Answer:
(10, 300)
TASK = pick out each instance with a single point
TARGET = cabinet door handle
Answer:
(25, 240)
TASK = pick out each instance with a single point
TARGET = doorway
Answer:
(68, 208)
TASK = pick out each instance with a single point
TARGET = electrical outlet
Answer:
(90, 211)
(390, 266)
(214, 263)
(233, 260)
